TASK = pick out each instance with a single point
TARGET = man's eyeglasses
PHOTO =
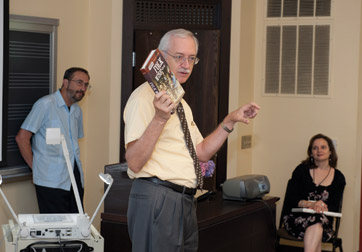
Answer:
(81, 83)
(179, 59)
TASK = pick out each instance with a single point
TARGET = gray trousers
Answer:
(160, 219)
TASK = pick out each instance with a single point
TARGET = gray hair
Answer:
(181, 33)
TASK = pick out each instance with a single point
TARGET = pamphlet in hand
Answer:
(160, 77)
(307, 210)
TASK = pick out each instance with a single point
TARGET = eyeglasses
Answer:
(179, 59)
(81, 83)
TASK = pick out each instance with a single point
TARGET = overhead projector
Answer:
(59, 227)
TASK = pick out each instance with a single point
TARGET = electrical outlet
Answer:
(246, 142)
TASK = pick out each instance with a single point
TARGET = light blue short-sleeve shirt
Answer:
(49, 164)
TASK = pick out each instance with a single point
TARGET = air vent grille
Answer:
(166, 13)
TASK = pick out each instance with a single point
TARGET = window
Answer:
(4, 31)
(297, 47)
(32, 55)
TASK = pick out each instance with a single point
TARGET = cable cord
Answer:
(81, 248)
(272, 218)
(60, 244)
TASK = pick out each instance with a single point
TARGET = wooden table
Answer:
(224, 225)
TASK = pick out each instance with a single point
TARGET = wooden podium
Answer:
(224, 225)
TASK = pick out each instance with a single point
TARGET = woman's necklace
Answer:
(323, 178)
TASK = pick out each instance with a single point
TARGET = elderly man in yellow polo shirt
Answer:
(161, 211)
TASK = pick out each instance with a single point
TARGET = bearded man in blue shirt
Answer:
(50, 174)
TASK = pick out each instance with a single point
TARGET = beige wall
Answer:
(285, 125)
(103, 111)
(90, 36)
(241, 82)
(22, 194)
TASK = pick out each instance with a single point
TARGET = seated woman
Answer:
(318, 185)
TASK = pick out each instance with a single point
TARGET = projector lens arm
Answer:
(71, 175)
(100, 203)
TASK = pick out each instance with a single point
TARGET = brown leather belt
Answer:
(175, 187)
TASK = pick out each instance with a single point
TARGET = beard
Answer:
(75, 95)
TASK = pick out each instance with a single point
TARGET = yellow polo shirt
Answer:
(170, 159)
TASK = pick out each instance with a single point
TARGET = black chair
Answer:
(283, 234)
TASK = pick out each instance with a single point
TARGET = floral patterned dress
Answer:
(302, 187)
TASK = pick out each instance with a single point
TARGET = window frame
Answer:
(38, 25)
(297, 21)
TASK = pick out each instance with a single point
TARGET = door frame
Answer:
(222, 23)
